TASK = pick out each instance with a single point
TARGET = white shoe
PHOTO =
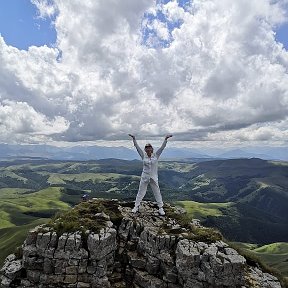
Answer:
(135, 209)
(161, 211)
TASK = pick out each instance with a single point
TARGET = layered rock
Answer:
(143, 250)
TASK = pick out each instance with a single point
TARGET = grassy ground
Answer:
(19, 208)
(11, 238)
(202, 210)
(275, 255)
(15, 211)
(10, 193)
(57, 178)
(21, 211)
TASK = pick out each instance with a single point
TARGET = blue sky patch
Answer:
(20, 27)
(150, 37)
(282, 35)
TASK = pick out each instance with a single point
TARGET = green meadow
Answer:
(275, 255)
(21, 210)
(202, 210)
(13, 237)
(56, 178)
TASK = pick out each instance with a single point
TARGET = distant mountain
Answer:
(182, 153)
(65, 153)
(238, 153)
(80, 153)
(280, 153)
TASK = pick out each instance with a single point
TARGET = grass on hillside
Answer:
(12, 237)
(202, 210)
(7, 173)
(273, 256)
(273, 248)
(177, 166)
(21, 210)
(279, 163)
(57, 178)
(195, 233)
(9, 193)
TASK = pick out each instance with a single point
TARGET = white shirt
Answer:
(150, 164)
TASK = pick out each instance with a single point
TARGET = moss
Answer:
(83, 217)
(182, 219)
(203, 234)
(207, 235)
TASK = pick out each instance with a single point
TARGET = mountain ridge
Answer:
(94, 152)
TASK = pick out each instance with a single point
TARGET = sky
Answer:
(210, 72)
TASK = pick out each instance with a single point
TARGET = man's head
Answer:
(148, 148)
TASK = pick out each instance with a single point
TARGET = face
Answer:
(149, 149)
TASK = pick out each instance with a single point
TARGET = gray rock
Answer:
(72, 270)
(42, 241)
(5, 281)
(152, 265)
(198, 262)
(48, 266)
(12, 267)
(265, 280)
(143, 279)
(70, 279)
(83, 285)
(100, 283)
(33, 275)
(100, 245)
(136, 261)
(73, 242)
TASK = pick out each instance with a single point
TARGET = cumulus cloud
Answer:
(20, 121)
(219, 75)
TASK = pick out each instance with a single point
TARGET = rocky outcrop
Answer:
(144, 250)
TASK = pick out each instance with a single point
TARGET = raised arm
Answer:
(159, 151)
(139, 150)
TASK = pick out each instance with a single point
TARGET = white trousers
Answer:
(143, 189)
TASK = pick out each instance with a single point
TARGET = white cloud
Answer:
(45, 8)
(20, 122)
(223, 76)
(173, 11)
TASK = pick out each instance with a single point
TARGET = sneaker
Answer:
(161, 211)
(135, 209)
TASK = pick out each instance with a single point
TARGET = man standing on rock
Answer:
(149, 174)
